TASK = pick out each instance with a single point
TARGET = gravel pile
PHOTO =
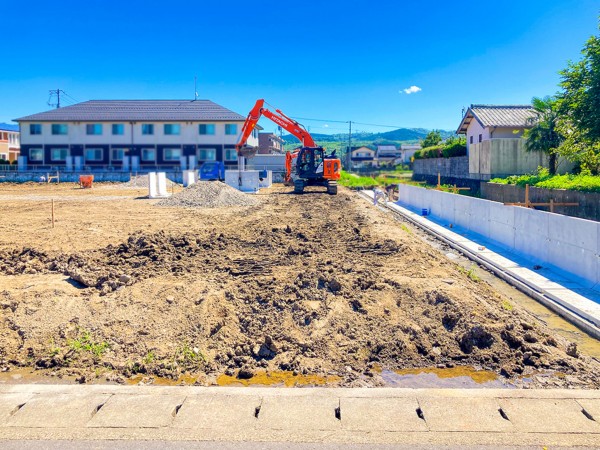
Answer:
(209, 194)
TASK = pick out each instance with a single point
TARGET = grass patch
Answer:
(506, 305)
(470, 273)
(355, 181)
(542, 179)
(85, 343)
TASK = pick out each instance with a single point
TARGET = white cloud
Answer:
(411, 90)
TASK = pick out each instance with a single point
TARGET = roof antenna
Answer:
(195, 88)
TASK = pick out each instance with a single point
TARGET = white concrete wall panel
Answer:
(479, 213)
(568, 243)
(531, 233)
(502, 224)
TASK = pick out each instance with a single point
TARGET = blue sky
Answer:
(330, 60)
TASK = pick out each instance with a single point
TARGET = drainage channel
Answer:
(561, 311)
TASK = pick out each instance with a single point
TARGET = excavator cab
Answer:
(314, 167)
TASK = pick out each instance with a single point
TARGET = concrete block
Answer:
(464, 414)
(152, 191)
(265, 181)
(218, 412)
(10, 404)
(531, 233)
(547, 416)
(137, 411)
(161, 180)
(249, 178)
(300, 413)
(58, 411)
(189, 177)
(380, 414)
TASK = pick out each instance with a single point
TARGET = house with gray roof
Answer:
(495, 143)
(132, 135)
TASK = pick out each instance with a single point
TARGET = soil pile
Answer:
(311, 284)
(209, 194)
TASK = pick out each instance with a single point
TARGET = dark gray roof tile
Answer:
(138, 111)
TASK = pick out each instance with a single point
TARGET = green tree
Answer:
(579, 103)
(433, 138)
(544, 136)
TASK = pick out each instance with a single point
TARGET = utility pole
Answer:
(57, 93)
(349, 153)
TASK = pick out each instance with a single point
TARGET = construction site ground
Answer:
(297, 290)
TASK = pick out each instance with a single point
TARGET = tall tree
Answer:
(433, 138)
(544, 135)
(579, 103)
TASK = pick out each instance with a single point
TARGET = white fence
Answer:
(568, 243)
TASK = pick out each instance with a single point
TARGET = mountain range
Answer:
(401, 135)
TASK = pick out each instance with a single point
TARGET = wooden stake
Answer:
(439, 181)
(551, 205)
(52, 213)
(527, 205)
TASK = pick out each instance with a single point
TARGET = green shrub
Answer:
(452, 147)
(543, 179)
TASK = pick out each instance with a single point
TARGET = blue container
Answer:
(424, 212)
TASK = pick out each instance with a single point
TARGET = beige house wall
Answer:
(507, 157)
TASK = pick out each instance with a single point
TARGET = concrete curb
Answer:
(340, 415)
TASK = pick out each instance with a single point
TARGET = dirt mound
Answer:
(310, 284)
(209, 194)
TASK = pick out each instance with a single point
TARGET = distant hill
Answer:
(9, 126)
(399, 136)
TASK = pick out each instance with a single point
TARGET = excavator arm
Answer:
(283, 121)
(279, 118)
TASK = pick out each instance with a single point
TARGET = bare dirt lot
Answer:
(318, 286)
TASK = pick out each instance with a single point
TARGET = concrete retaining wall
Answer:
(589, 202)
(456, 167)
(567, 243)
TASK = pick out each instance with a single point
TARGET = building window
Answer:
(207, 154)
(117, 154)
(93, 129)
(118, 129)
(3, 157)
(171, 154)
(471, 140)
(148, 154)
(230, 128)
(35, 128)
(171, 129)
(230, 154)
(36, 154)
(94, 154)
(148, 128)
(59, 154)
(206, 128)
(60, 128)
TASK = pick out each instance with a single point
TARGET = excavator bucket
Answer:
(247, 151)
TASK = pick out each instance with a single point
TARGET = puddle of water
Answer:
(28, 375)
(283, 378)
(431, 377)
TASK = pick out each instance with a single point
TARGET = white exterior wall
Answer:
(474, 130)
(189, 134)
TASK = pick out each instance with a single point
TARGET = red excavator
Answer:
(313, 166)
